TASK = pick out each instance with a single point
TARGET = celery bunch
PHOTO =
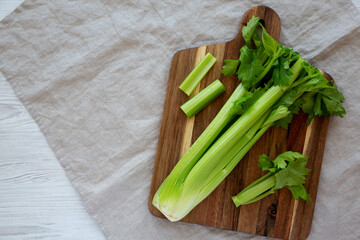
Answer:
(275, 84)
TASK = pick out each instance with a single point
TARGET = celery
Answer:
(197, 74)
(203, 98)
(285, 84)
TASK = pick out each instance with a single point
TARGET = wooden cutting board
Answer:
(278, 215)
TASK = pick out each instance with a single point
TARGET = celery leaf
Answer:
(250, 67)
(242, 104)
(293, 174)
(266, 163)
(299, 191)
(270, 44)
(230, 67)
(282, 72)
(249, 29)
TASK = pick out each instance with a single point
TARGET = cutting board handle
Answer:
(267, 15)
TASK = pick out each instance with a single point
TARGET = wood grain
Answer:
(37, 201)
(277, 215)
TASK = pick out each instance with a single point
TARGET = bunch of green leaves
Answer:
(317, 97)
(289, 171)
(251, 59)
(313, 94)
(260, 56)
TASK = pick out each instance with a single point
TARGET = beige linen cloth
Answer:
(93, 75)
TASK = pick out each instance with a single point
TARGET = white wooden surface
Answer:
(37, 201)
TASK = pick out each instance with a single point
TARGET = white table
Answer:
(37, 201)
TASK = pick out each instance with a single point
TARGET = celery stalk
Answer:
(170, 189)
(194, 175)
(189, 199)
(197, 74)
(227, 141)
(203, 98)
(265, 194)
(252, 194)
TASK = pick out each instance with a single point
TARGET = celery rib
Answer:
(256, 192)
(169, 191)
(203, 98)
(197, 74)
(189, 199)
(227, 141)
(235, 155)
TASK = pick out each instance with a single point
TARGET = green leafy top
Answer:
(249, 30)
(282, 72)
(267, 63)
(289, 171)
(270, 44)
(251, 66)
(313, 94)
(254, 63)
(250, 34)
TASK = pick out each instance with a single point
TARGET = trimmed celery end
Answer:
(197, 74)
(257, 191)
(203, 98)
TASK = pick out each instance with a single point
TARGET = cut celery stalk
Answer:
(198, 73)
(203, 98)
(251, 194)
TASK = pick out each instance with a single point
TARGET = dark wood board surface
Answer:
(278, 215)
